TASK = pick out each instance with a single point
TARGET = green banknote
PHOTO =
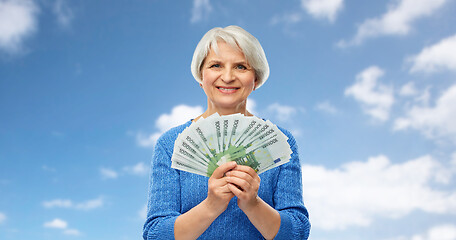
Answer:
(247, 140)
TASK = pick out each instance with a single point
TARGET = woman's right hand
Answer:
(194, 222)
(219, 195)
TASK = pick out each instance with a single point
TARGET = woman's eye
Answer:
(215, 66)
(242, 67)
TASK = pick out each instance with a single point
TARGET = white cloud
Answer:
(440, 56)
(323, 9)
(320, 9)
(408, 90)
(439, 232)
(62, 203)
(376, 98)
(397, 20)
(297, 132)
(61, 224)
(201, 9)
(376, 188)
(17, 22)
(282, 112)
(179, 115)
(288, 18)
(442, 232)
(424, 97)
(145, 140)
(2, 217)
(66, 203)
(142, 213)
(453, 160)
(90, 204)
(63, 13)
(434, 122)
(327, 107)
(56, 223)
(251, 106)
(107, 173)
(139, 169)
(72, 232)
(412, 96)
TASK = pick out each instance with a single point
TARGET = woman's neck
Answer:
(211, 109)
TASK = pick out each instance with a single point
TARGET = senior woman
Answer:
(228, 63)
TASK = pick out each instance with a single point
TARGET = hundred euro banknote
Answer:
(247, 140)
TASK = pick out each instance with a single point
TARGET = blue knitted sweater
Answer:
(173, 192)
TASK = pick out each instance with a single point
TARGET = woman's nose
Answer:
(228, 75)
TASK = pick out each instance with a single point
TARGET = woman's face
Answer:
(227, 78)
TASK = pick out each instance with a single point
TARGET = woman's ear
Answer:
(256, 84)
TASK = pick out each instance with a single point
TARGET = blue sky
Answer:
(367, 87)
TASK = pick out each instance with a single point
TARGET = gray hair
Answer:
(238, 38)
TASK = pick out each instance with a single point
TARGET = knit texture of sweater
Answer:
(173, 192)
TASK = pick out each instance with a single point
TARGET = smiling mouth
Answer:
(228, 89)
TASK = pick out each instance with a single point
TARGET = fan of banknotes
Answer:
(247, 140)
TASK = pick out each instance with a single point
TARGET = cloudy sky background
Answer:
(368, 88)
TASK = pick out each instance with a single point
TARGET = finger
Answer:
(242, 183)
(222, 169)
(226, 188)
(240, 174)
(235, 190)
(247, 170)
(218, 183)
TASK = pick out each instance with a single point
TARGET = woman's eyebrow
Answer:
(214, 60)
(242, 62)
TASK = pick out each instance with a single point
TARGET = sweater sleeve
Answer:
(163, 205)
(288, 199)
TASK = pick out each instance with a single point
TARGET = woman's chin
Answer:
(230, 107)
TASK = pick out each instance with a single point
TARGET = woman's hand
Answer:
(244, 182)
(219, 194)
(194, 222)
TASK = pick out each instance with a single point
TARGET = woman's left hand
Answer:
(244, 183)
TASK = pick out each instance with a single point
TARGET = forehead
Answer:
(224, 51)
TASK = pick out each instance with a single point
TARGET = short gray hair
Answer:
(238, 38)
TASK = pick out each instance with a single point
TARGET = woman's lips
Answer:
(227, 89)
